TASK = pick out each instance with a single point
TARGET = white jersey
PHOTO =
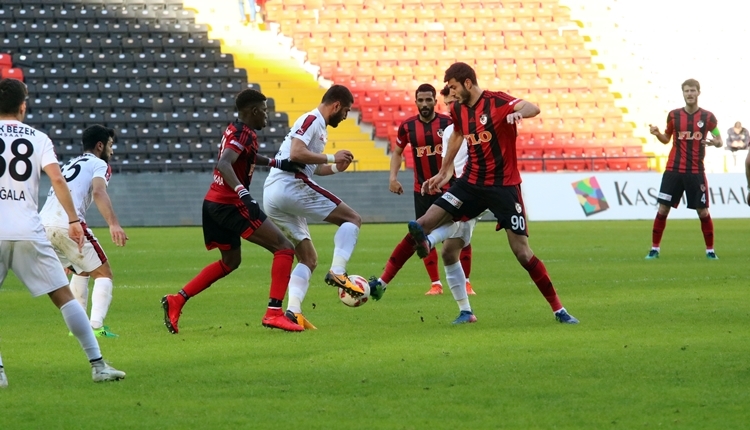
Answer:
(462, 156)
(24, 152)
(309, 128)
(79, 173)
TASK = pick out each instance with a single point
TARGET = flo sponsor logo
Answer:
(590, 196)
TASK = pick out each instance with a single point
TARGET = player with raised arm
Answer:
(293, 198)
(24, 248)
(231, 214)
(688, 128)
(88, 177)
(487, 120)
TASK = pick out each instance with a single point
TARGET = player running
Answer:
(88, 177)
(487, 120)
(24, 248)
(689, 129)
(230, 213)
(293, 198)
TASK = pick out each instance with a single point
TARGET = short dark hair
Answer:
(338, 93)
(12, 95)
(445, 91)
(95, 134)
(691, 83)
(425, 88)
(248, 97)
(460, 72)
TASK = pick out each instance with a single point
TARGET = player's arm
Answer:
(523, 109)
(715, 139)
(278, 163)
(434, 184)
(224, 166)
(104, 204)
(667, 135)
(60, 185)
(300, 153)
(397, 157)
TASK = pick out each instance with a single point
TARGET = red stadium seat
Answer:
(11, 73)
(554, 165)
(577, 165)
(533, 165)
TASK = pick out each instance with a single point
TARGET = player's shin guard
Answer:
(454, 275)
(280, 273)
(344, 242)
(660, 223)
(400, 255)
(101, 298)
(79, 286)
(465, 259)
(431, 264)
(299, 282)
(539, 275)
(78, 324)
(210, 274)
(707, 227)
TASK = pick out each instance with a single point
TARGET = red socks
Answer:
(401, 254)
(465, 260)
(539, 275)
(281, 270)
(660, 223)
(210, 274)
(707, 227)
(431, 264)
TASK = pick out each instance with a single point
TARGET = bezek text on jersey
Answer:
(16, 130)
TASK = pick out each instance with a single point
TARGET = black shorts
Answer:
(423, 202)
(224, 224)
(465, 201)
(674, 184)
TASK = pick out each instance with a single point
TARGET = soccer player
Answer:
(747, 176)
(689, 129)
(487, 120)
(24, 248)
(87, 176)
(230, 213)
(293, 198)
(426, 133)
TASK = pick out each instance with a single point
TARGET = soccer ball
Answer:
(354, 302)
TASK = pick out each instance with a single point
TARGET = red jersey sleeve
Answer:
(712, 122)
(670, 124)
(456, 117)
(403, 136)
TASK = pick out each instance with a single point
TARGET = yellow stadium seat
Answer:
(568, 70)
(547, 70)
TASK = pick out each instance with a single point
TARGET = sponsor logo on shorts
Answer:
(590, 196)
(665, 196)
(453, 200)
(703, 188)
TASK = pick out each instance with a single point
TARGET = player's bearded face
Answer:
(107, 151)
(462, 94)
(338, 116)
(690, 94)
(425, 104)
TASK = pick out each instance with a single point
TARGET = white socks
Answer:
(78, 324)
(454, 275)
(344, 242)
(441, 233)
(100, 301)
(299, 282)
(79, 286)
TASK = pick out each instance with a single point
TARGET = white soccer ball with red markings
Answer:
(354, 302)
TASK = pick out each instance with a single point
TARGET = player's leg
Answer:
(101, 299)
(79, 286)
(215, 235)
(465, 232)
(696, 191)
(299, 282)
(3, 378)
(36, 266)
(270, 237)
(345, 240)
(5, 252)
(421, 204)
(64, 248)
(454, 276)
(670, 193)
(400, 255)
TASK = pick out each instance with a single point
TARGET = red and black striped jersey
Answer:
(426, 139)
(491, 140)
(687, 132)
(239, 138)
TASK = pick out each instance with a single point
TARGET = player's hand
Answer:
(75, 232)
(288, 165)
(434, 184)
(342, 165)
(514, 118)
(118, 235)
(395, 187)
(343, 156)
(713, 142)
(653, 130)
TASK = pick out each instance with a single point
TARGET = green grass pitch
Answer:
(661, 343)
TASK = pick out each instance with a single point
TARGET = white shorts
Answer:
(290, 202)
(90, 258)
(34, 263)
(465, 231)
